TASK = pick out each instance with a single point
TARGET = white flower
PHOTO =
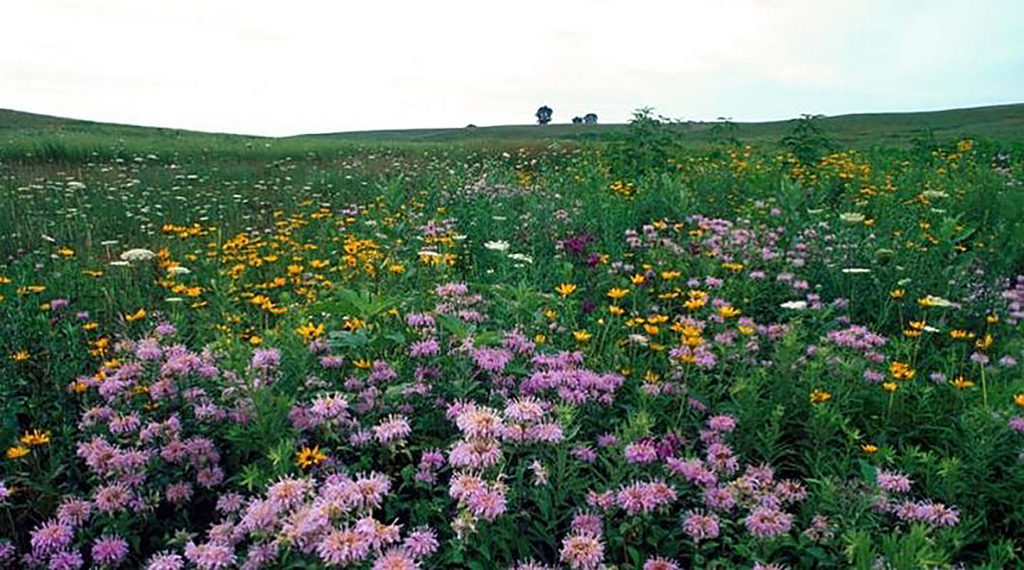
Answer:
(795, 305)
(499, 245)
(174, 299)
(109, 242)
(933, 194)
(520, 257)
(638, 339)
(137, 254)
(933, 301)
(429, 253)
(179, 270)
(856, 270)
(120, 264)
(75, 185)
(852, 218)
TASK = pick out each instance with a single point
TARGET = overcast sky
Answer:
(291, 66)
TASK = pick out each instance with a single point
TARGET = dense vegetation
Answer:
(642, 352)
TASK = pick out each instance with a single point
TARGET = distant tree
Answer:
(577, 120)
(544, 115)
(590, 118)
(471, 126)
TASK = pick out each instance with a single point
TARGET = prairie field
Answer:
(647, 346)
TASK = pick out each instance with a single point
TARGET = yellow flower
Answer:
(651, 329)
(819, 396)
(17, 452)
(363, 363)
(617, 293)
(66, 252)
(890, 386)
(1018, 399)
(581, 336)
(992, 319)
(255, 340)
(616, 310)
(670, 275)
(566, 289)
(901, 371)
(651, 376)
(353, 324)
(90, 326)
(309, 457)
(638, 279)
(959, 334)
(294, 269)
(21, 356)
(960, 383)
(540, 339)
(137, 315)
(727, 311)
(868, 448)
(984, 343)
(551, 314)
(309, 331)
(396, 268)
(36, 437)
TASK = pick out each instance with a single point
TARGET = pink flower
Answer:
(893, 481)
(210, 556)
(701, 526)
(767, 522)
(109, 550)
(582, 551)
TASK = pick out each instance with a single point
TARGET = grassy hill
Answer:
(32, 134)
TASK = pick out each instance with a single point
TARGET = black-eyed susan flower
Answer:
(819, 396)
(565, 289)
(309, 457)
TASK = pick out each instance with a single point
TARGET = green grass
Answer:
(998, 122)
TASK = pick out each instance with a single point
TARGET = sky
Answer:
(298, 66)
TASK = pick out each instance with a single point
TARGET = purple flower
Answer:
(893, 481)
(768, 522)
(109, 550)
(265, 359)
(701, 526)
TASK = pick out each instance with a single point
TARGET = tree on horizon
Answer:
(544, 115)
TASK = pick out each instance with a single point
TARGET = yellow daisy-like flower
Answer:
(17, 452)
(728, 311)
(35, 437)
(1018, 399)
(890, 387)
(565, 289)
(136, 316)
(309, 457)
(868, 448)
(581, 336)
(897, 293)
(960, 383)
(309, 331)
(21, 356)
(617, 293)
(819, 396)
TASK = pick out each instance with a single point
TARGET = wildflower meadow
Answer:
(622, 353)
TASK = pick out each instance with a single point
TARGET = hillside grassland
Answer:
(646, 346)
